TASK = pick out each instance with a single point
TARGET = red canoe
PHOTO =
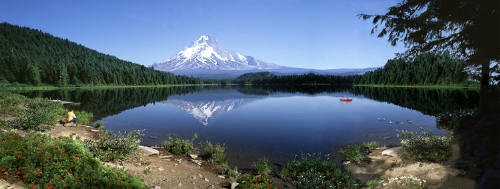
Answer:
(346, 99)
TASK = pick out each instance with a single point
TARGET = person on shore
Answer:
(72, 117)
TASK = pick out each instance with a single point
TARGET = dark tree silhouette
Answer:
(468, 29)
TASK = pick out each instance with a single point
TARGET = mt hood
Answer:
(206, 56)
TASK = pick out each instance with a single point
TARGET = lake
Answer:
(272, 122)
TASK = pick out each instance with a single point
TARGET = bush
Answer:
(178, 146)
(214, 154)
(40, 161)
(99, 125)
(39, 115)
(112, 146)
(248, 181)
(425, 146)
(372, 184)
(262, 167)
(315, 171)
(353, 153)
(370, 145)
(232, 173)
(404, 182)
(12, 104)
(84, 118)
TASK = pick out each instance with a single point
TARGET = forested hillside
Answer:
(266, 78)
(32, 57)
(425, 69)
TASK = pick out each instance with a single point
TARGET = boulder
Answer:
(147, 151)
(393, 152)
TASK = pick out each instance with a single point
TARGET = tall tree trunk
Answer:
(485, 100)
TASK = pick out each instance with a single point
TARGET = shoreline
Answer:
(49, 87)
(474, 87)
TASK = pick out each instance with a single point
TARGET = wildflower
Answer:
(17, 173)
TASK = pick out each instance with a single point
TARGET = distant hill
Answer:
(206, 58)
(33, 57)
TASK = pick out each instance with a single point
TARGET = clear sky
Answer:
(319, 34)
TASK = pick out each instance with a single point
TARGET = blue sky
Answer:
(301, 33)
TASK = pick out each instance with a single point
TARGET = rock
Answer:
(179, 160)
(221, 176)
(180, 184)
(94, 130)
(393, 152)
(160, 169)
(157, 187)
(212, 186)
(206, 180)
(197, 162)
(147, 151)
(166, 157)
(234, 185)
(193, 156)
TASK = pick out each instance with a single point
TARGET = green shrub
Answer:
(99, 125)
(233, 174)
(315, 171)
(353, 153)
(372, 184)
(370, 145)
(84, 118)
(40, 161)
(147, 170)
(39, 115)
(12, 104)
(111, 146)
(262, 167)
(179, 146)
(214, 154)
(248, 181)
(425, 146)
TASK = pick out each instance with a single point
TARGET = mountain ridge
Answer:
(205, 58)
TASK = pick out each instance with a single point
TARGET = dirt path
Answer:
(383, 167)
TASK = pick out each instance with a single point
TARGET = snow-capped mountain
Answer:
(205, 58)
(205, 55)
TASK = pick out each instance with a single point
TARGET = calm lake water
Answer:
(276, 123)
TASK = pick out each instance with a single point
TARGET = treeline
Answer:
(266, 78)
(425, 69)
(30, 56)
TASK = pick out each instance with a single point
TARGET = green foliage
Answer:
(84, 118)
(147, 170)
(425, 146)
(111, 146)
(425, 69)
(295, 80)
(372, 183)
(214, 154)
(39, 115)
(179, 146)
(233, 174)
(44, 162)
(248, 181)
(99, 125)
(370, 145)
(315, 171)
(353, 153)
(30, 56)
(262, 167)
(12, 104)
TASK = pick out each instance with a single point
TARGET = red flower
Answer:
(19, 157)
(18, 173)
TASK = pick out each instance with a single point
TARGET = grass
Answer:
(425, 146)
(214, 153)
(40, 161)
(372, 183)
(233, 174)
(84, 117)
(422, 86)
(99, 125)
(353, 153)
(262, 167)
(315, 171)
(111, 146)
(179, 146)
(370, 145)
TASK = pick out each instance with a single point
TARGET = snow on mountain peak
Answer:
(206, 54)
